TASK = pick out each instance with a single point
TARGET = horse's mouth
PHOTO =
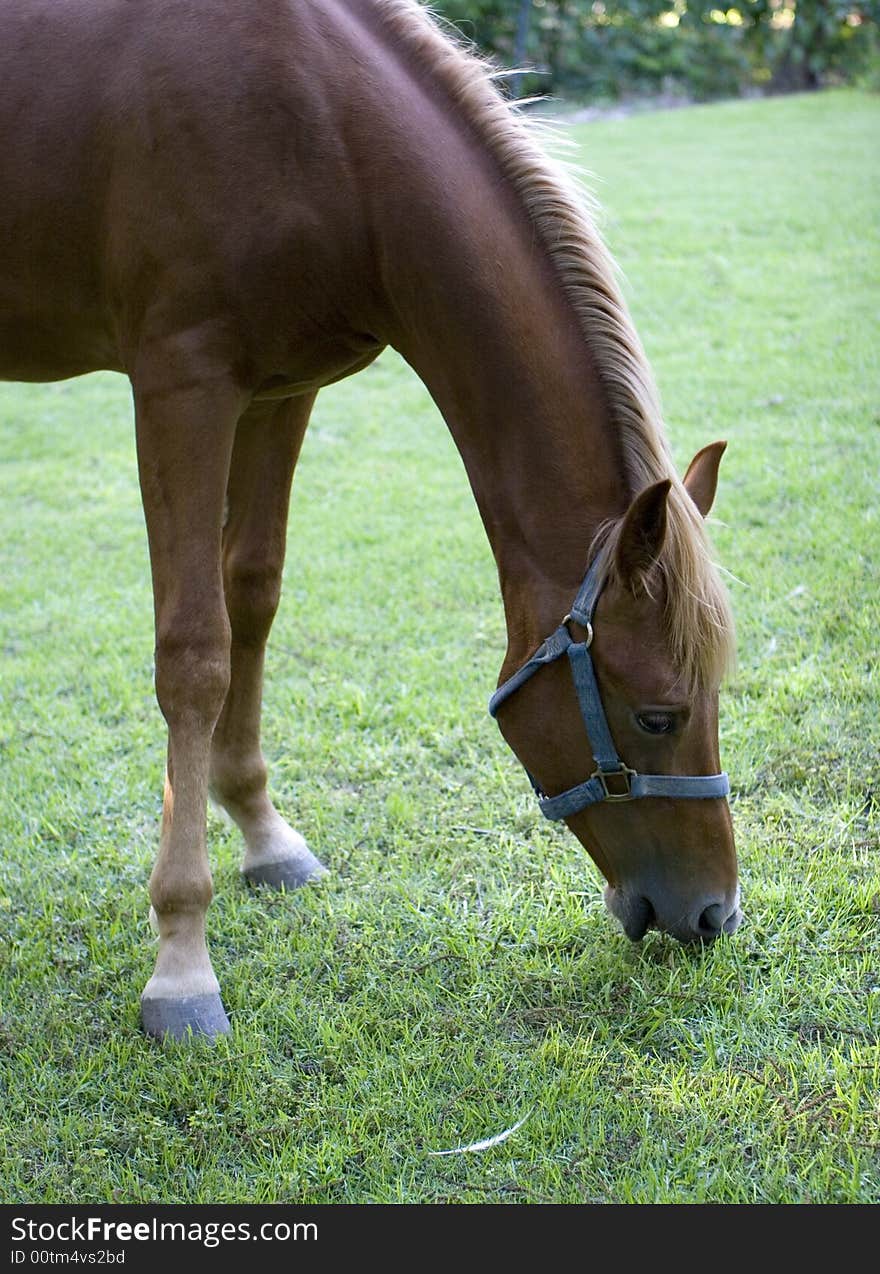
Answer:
(634, 912)
(636, 915)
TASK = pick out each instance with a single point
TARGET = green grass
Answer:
(458, 970)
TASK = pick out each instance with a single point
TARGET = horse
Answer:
(235, 205)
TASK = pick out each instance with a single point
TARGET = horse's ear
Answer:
(701, 478)
(643, 532)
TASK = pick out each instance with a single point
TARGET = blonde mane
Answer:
(698, 616)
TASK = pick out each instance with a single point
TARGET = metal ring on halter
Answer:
(587, 627)
(625, 773)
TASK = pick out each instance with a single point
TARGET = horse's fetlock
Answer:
(238, 785)
(180, 897)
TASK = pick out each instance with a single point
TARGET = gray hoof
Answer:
(287, 873)
(196, 1015)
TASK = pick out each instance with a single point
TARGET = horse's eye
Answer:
(656, 722)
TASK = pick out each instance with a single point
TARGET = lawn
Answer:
(457, 972)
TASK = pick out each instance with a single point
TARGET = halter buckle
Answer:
(624, 775)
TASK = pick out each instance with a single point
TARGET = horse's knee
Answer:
(192, 674)
(253, 591)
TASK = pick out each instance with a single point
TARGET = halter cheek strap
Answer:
(611, 780)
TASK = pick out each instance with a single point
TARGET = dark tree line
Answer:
(695, 47)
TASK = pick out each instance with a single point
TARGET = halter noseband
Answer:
(611, 780)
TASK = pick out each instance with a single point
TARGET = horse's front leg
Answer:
(267, 445)
(184, 442)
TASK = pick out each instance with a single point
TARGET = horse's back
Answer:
(169, 148)
(51, 162)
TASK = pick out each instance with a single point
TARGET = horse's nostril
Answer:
(712, 920)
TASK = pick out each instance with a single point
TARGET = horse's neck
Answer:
(478, 310)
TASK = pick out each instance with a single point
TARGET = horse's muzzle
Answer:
(703, 921)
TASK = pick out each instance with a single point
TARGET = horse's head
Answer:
(626, 691)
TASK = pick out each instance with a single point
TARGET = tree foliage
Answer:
(694, 47)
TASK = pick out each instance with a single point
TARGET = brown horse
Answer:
(235, 204)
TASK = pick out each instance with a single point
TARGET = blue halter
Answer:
(611, 780)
